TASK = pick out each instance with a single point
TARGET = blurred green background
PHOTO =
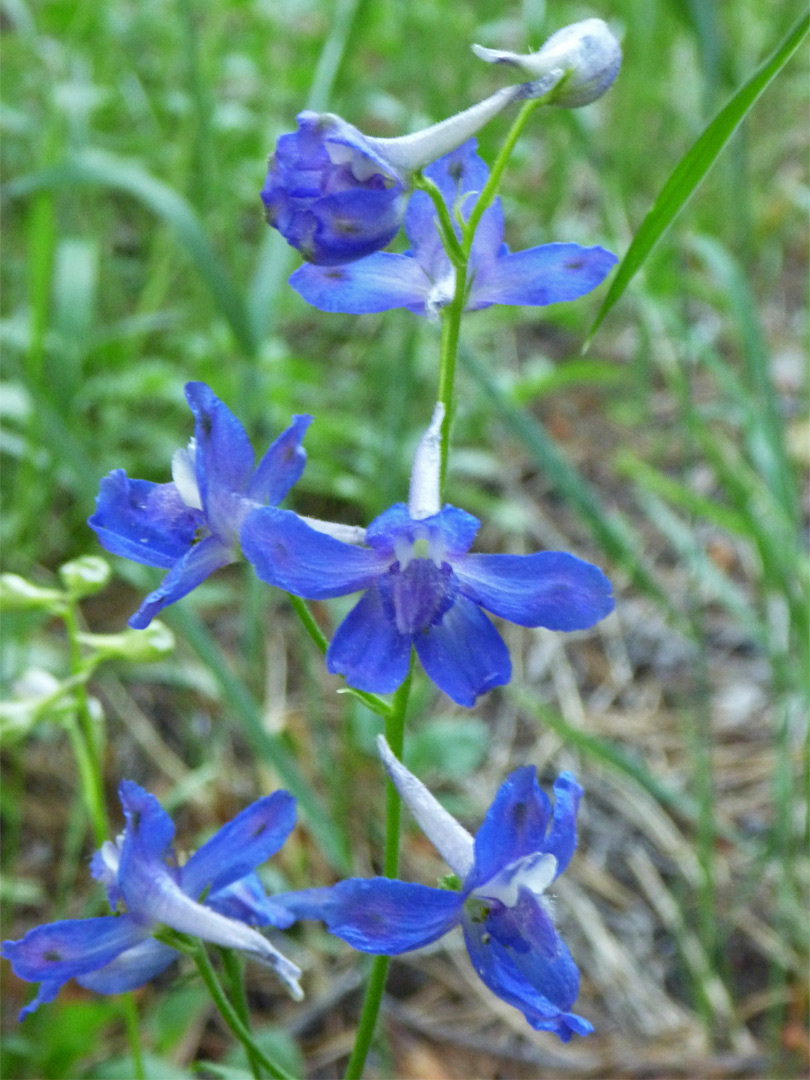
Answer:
(673, 454)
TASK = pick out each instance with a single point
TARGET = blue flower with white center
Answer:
(117, 952)
(191, 526)
(423, 589)
(423, 279)
(506, 918)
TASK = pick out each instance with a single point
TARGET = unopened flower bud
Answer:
(574, 67)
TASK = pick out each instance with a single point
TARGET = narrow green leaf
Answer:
(692, 168)
(98, 167)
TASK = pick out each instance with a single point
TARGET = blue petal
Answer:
(524, 927)
(246, 901)
(352, 224)
(224, 456)
(377, 283)
(281, 466)
(542, 989)
(46, 993)
(148, 523)
(540, 275)
(368, 650)
(194, 567)
(240, 846)
(561, 841)
(378, 915)
(550, 588)
(130, 969)
(287, 553)
(464, 655)
(515, 824)
(57, 951)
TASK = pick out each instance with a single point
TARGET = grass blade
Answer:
(107, 170)
(692, 168)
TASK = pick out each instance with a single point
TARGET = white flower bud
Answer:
(574, 67)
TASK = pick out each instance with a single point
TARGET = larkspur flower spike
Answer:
(423, 280)
(215, 896)
(422, 589)
(191, 526)
(504, 873)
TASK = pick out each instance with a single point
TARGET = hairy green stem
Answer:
(130, 1013)
(196, 950)
(395, 735)
(234, 971)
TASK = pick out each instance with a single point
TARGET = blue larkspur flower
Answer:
(422, 588)
(117, 952)
(423, 280)
(191, 526)
(501, 906)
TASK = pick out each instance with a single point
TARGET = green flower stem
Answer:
(196, 950)
(234, 970)
(373, 702)
(130, 1014)
(395, 735)
(491, 187)
(83, 735)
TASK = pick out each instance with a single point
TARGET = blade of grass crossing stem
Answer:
(267, 746)
(693, 167)
(612, 531)
(106, 170)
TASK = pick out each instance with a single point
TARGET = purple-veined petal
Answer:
(368, 650)
(540, 994)
(352, 224)
(281, 466)
(450, 839)
(287, 553)
(561, 841)
(524, 927)
(240, 846)
(224, 456)
(541, 275)
(550, 588)
(130, 969)
(377, 283)
(514, 826)
(148, 523)
(464, 655)
(378, 915)
(246, 901)
(57, 951)
(194, 567)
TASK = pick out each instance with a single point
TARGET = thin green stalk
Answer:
(236, 983)
(130, 1013)
(395, 735)
(459, 256)
(83, 734)
(196, 950)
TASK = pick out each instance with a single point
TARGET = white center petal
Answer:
(111, 857)
(184, 474)
(533, 872)
(441, 294)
